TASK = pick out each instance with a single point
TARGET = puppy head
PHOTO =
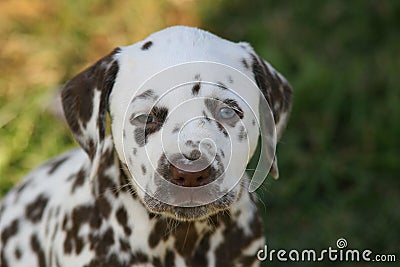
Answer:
(185, 117)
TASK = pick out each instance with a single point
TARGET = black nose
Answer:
(190, 179)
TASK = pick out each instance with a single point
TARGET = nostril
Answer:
(190, 179)
(194, 155)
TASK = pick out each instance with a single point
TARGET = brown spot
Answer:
(185, 239)
(3, 261)
(55, 164)
(270, 85)
(153, 215)
(190, 143)
(107, 159)
(221, 128)
(124, 245)
(104, 207)
(91, 147)
(95, 218)
(169, 258)
(245, 64)
(79, 180)
(65, 222)
(222, 153)
(107, 261)
(18, 253)
(176, 129)
(242, 133)
(35, 244)
(158, 233)
(122, 218)
(199, 258)
(105, 183)
(143, 169)
(102, 243)
(206, 116)
(157, 262)
(147, 45)
(226, 254)
(23, 185)
(80, 215)
(9, 231)
(34, 211)
(247, 260)
(139, 257)
(95, 263)
(196, 89)
(141, 133)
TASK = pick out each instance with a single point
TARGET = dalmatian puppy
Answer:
(166, 184)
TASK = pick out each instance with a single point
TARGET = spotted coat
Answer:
(83, 209)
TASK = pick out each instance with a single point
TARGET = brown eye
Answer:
(147, 120)
(151, 119)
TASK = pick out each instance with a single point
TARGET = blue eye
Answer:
(226, 113)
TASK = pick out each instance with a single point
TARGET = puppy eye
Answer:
(145, 119)
(226, 113)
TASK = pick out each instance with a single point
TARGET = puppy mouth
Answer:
(190, 213)
(194, 202)
(191, 209)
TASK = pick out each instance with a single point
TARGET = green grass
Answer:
(339, 158)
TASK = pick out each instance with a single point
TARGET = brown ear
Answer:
(85, 102)
(278, 94)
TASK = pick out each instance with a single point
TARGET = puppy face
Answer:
(187, 147)
(185, 117)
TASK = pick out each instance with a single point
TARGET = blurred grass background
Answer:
(339, 158)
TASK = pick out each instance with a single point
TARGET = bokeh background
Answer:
(339, 157)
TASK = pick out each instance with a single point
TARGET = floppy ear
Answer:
(85, 102)
(278, 94)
